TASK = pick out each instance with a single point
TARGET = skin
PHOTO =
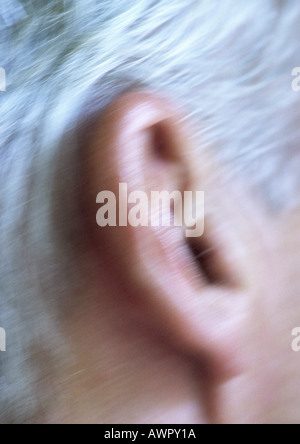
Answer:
(154, 340)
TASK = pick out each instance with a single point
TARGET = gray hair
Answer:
(227, 63)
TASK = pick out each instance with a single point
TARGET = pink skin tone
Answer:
(155, 338)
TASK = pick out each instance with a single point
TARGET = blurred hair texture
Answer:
(227, 63)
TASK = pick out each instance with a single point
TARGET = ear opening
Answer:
(210, 261)
(205, 258)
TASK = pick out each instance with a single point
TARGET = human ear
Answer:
(190, 291)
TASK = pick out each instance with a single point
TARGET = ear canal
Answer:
(212, 258)
(205, 257)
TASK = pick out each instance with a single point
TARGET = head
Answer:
(143, 324)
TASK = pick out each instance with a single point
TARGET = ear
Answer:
(192, 292)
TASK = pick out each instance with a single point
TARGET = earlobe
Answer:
(140, 143)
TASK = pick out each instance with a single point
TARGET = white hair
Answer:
(228, 63)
